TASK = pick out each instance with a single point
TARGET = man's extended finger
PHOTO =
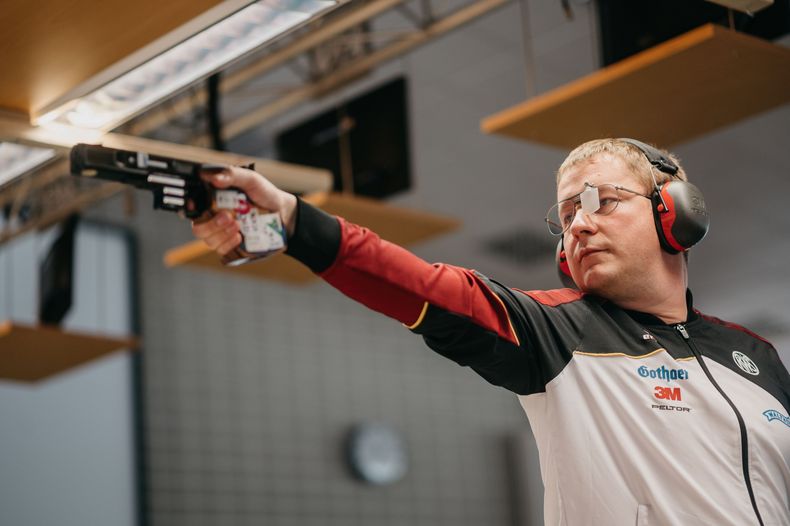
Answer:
(219, 238)
(229, 244)
(221, 179)
(219, 222)
(241, 178)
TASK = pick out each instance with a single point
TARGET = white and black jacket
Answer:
(637, 422)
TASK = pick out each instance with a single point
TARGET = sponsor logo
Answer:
(745, 363)
(242, 206)
(667, 393)
(663, 407)
(662, 373)
(776, 415)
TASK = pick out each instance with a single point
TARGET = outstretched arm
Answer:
(379, 274)
(461, 314)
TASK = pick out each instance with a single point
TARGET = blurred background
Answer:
(138, 393)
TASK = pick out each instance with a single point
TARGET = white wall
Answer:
(67, 451)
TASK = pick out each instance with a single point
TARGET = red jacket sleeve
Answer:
(395, 282)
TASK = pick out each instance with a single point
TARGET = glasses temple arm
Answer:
(657, 189)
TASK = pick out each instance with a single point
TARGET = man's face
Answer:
(610, 255)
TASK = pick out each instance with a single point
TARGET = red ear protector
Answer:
(563, 270)
(679, 210)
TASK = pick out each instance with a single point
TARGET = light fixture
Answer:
(194, 58)
(18, 159)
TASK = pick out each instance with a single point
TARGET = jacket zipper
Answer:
(744, 438)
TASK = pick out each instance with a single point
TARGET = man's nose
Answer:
(583, 223)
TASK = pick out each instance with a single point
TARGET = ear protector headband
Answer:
(679, 210)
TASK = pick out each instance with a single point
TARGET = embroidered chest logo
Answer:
(667, 393)
(662, 373)
(646, 336)
(772, 414)
(745, 363)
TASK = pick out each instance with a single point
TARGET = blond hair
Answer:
(630, 154)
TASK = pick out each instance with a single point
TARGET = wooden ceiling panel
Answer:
(49, 47)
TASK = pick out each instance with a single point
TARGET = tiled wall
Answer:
(252, 387)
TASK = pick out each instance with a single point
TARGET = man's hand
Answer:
(221, 232)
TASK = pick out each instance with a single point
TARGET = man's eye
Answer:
(568, 212)
(607, 204)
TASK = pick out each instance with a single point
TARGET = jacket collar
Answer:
(649, 319)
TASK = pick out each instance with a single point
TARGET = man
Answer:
(645, 411)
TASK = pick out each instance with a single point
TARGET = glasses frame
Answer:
(577, 200)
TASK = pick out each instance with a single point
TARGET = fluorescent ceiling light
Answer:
(18, 159)
(180, 66)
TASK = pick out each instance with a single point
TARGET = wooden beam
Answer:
(290, 177)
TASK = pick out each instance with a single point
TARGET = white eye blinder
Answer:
(590, 200)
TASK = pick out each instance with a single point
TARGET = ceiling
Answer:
(499, 187)
(54, 46)
(62, 50)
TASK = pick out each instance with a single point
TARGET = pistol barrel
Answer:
(175, 183)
